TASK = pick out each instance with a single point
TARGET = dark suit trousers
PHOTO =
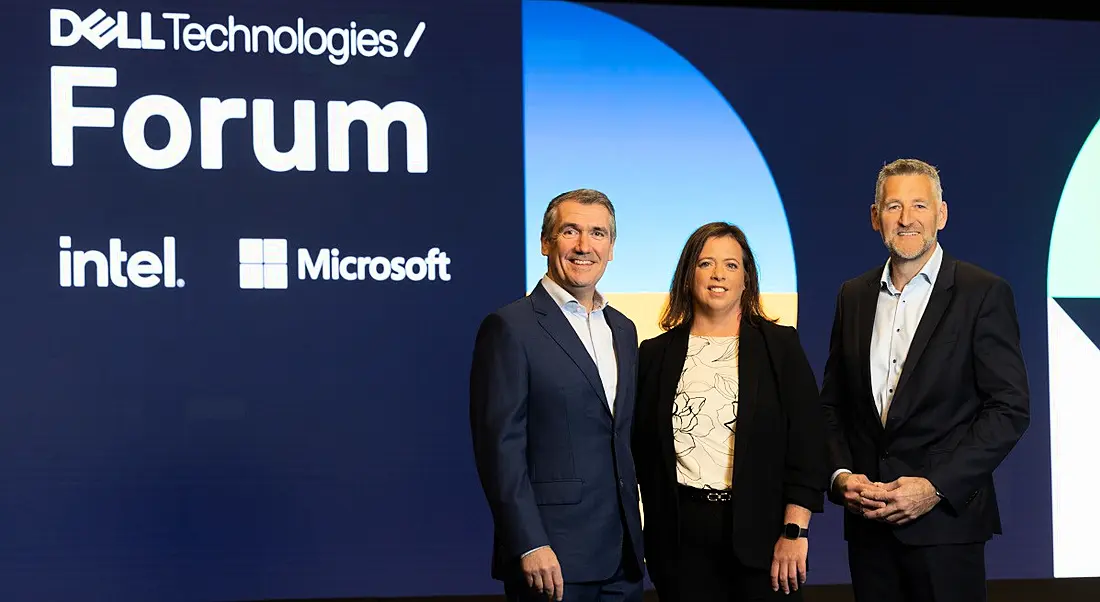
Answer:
(886, 570)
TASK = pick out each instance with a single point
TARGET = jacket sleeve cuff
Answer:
(949, 492)
(807, 497)
(524, 532)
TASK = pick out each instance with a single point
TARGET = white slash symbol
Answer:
(414, 39)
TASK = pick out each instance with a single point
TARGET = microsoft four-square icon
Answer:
(263, 263)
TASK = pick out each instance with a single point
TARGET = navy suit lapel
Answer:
(866, 306)
(555, 324)
(942, 293)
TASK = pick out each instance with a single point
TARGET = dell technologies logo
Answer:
(101, 29)
(264, 264)
(67, 28)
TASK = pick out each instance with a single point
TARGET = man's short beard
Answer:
(896, 252)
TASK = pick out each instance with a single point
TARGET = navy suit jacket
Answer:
(554, 463)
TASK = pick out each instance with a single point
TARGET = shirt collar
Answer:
(930, 270)
(567, 301)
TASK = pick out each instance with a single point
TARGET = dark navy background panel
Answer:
(208, 442)
(309, 438)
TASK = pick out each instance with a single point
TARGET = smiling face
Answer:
(719, 277)
(909, 216)
(579, 248)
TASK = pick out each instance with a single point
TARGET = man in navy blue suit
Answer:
(551, 409)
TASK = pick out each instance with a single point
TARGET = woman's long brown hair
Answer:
(680, 308)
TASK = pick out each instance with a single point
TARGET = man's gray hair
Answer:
(584, 196)
(907, 167)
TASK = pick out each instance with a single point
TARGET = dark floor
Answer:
(1023, 590)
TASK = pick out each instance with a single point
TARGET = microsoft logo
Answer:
(263, 263)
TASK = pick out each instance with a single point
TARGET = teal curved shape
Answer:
(1073, 338)
(1074, 245)
(611, 107)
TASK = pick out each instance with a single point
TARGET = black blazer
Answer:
(553, 461)
(779, 448)
(960, 405)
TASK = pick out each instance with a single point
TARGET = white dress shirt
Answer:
(897, 315)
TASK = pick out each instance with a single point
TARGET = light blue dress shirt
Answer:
(593, 330)
(897, 315)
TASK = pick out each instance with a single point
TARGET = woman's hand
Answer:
(789, 564)
(789, 555)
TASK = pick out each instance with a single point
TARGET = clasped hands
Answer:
(897, 503)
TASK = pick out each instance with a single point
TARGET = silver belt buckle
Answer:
(718, 496)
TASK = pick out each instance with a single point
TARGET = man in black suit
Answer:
(925, 393)
(551, 410)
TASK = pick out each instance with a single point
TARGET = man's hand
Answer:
(789, 564)
(543, 573)
(853, 487)
(906, 500)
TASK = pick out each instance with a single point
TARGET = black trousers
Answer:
(886, 570)
(708, 569)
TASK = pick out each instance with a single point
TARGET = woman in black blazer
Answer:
(729, 440)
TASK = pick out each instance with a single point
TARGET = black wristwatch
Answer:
(793, 531)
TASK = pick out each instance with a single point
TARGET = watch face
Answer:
(791, 531)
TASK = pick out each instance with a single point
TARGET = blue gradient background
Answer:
(609, 106)
(831, 97)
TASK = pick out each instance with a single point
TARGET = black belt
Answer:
(706, 495)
